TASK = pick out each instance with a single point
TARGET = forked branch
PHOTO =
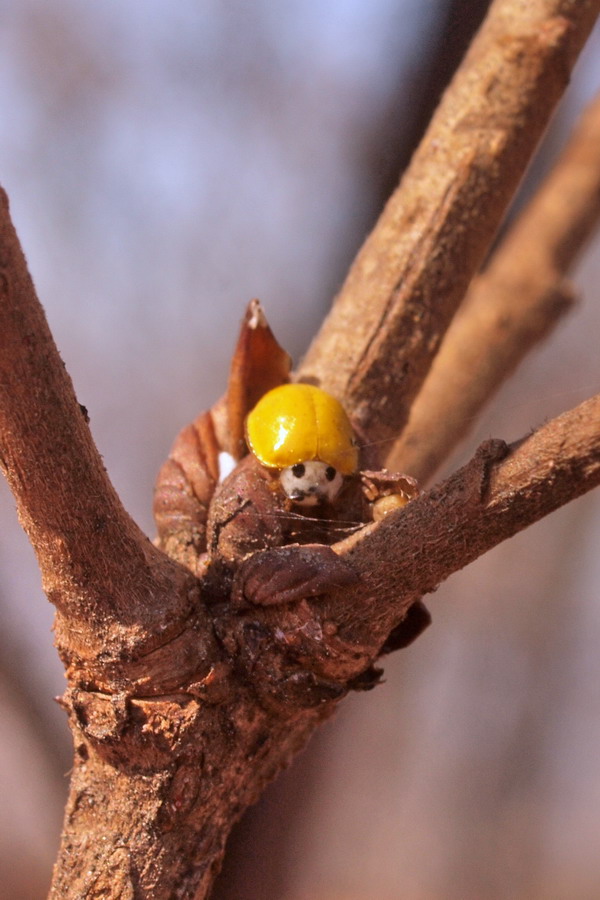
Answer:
(184, 697)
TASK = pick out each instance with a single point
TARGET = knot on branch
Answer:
(285, 656)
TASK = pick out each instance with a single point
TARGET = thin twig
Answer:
(511, 307)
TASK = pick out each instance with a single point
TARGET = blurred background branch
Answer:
(512, 306)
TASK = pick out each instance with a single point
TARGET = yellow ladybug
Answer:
(305, 433)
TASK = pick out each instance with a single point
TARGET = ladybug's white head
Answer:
(310, 483)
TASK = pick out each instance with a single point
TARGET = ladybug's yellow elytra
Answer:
(296, 423)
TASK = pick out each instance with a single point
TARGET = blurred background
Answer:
(166, 163)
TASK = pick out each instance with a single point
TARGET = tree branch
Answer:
(174, 772)
(501, 491)
(66, 502)
(404, 557)
(508, 309)
(378, 342)
(184, 698)
(97, 567)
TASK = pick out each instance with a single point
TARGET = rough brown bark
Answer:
(511, 307)
(183, 701)
(412, 272)
(488, 500)
(98, 568)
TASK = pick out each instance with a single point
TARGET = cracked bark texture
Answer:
(183, 705)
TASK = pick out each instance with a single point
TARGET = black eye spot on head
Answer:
(298, 470)
(330, 473)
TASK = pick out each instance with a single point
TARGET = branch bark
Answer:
(502, 490)
(184, 701)
(413, 270)
(112, 589)
(511, 307)
(172, 773)
(398, 560)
